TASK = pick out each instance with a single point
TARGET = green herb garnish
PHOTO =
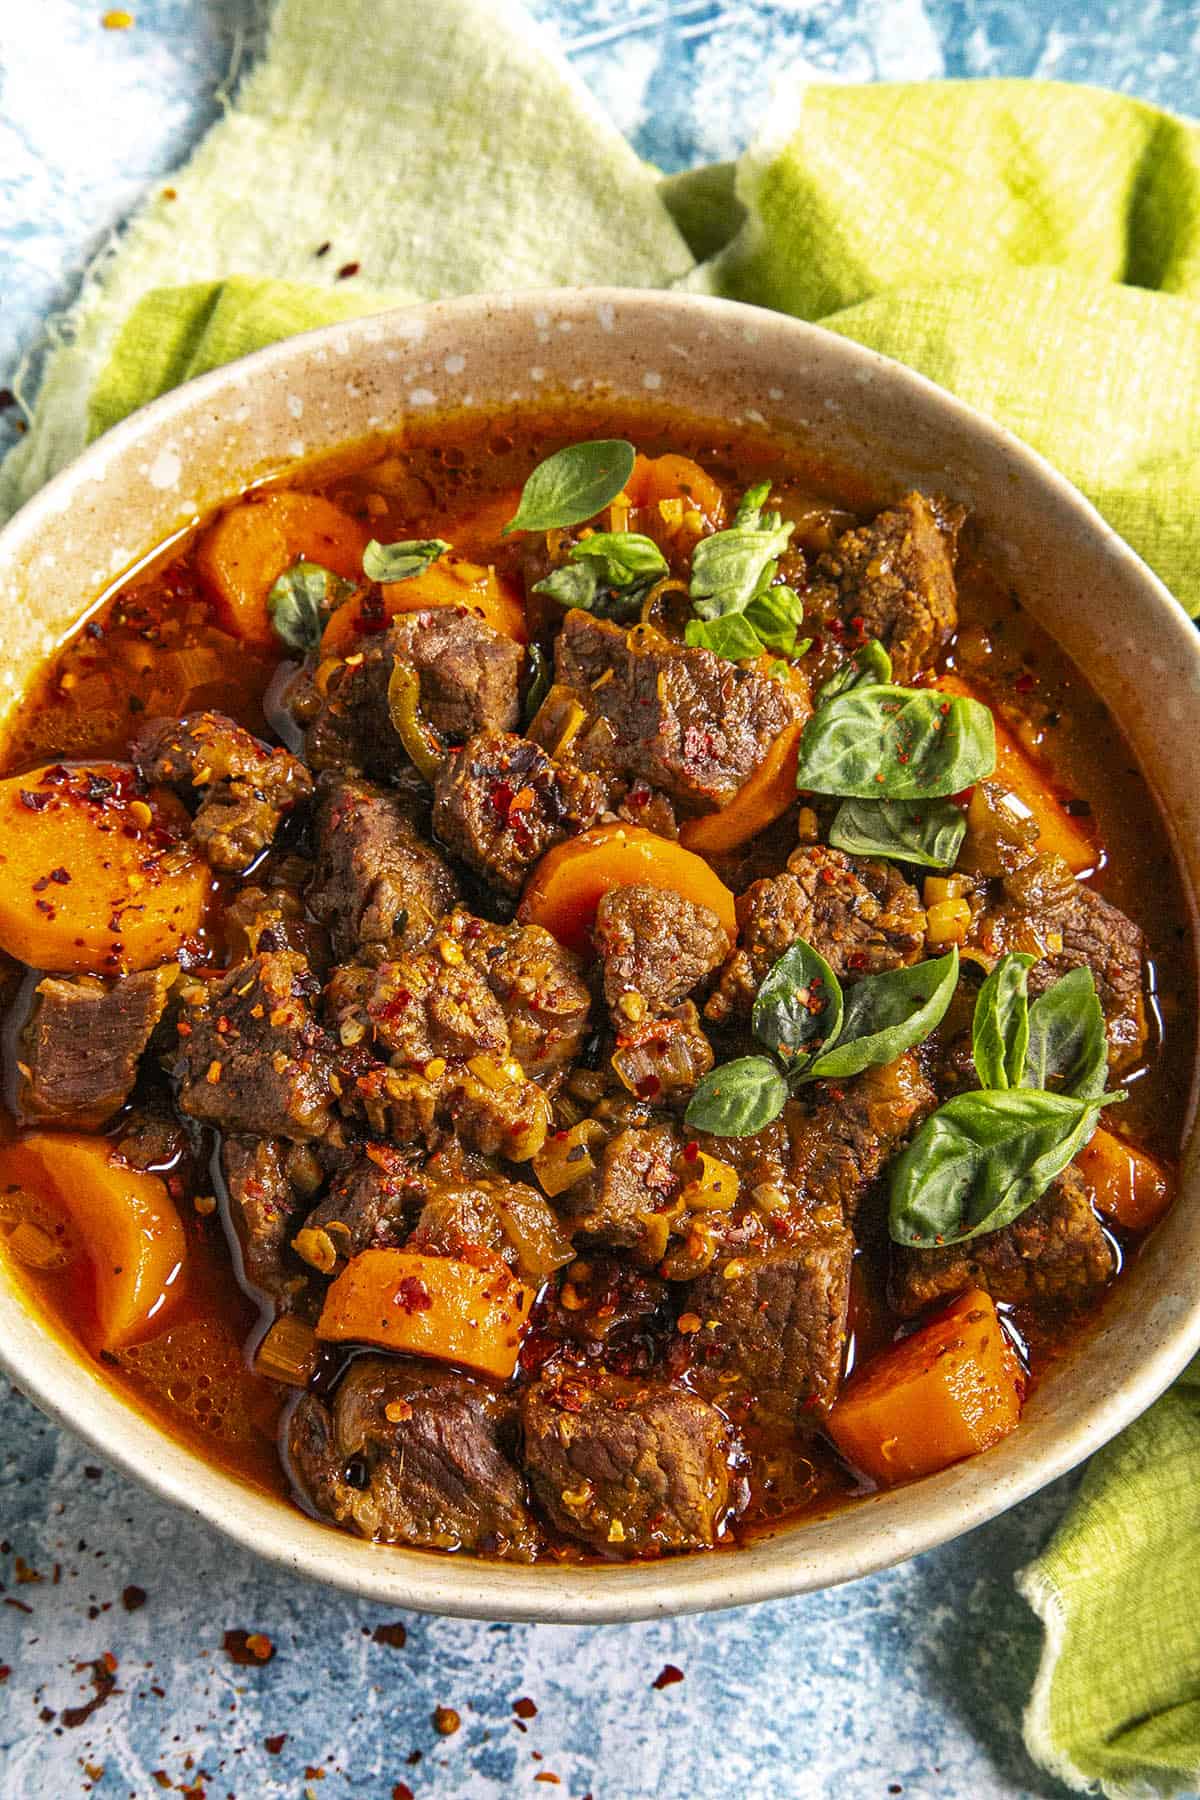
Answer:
(609, 572)
(926, 832)
(878, 742)
(300, 602)
(573, 485)
(400, 562)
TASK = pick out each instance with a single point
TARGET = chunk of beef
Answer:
(263, 1205)
(466, 1212)
(773, 1323)
(502, 802)
(539, 985)
(893, 580)
(614, 1206)
(491, 1107)
(427, 1004)
(245, 788)
(686, 721)
(377, 881)
(468, 677)
(627, 1466)
(657, 945)
(1057, 1252)
(863, 917)
(252, 1057)
(83, 1042)
(410, 1454)
(371, 1205)
(1066, 925)
(848, 1131)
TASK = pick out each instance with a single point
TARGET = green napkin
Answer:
(1034, 247)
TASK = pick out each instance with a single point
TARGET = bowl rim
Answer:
(37, 1357)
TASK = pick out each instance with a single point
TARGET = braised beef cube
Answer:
(863, 917)
(410, 1454)
(1049, 914)
(685, 721)
(656, 944)
(663, 1057)
(469, 672)
(377, 881)
(893, 580)
(466, 1212)
(371, 1205)
(492, 1107)
(83, 1043)
(252, 1056)
(502, 802)
(1055, 1252)
(152, 1138)
(847, 1131)
(773, 1323)
(539, 985)
(347, 720)
(427, 1004)
(614, 1206)
(625, 1466)
(264, 1207)
(244, 786)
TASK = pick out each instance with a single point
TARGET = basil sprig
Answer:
(300, 602)
(573, 485)
(879, 742)
(985, 1157)
(400, 562)
(820, 1033)
(731, 580)
(870, 665)
(926, 832)
(610, 572)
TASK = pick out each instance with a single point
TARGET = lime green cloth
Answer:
(1034, 247)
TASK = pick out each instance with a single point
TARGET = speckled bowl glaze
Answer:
(153, 474)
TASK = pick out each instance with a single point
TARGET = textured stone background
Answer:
(910, 1682)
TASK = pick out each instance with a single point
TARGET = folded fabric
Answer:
(1034, 247)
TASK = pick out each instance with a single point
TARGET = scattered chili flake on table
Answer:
(248, 1648)
(273, 1745)
(445, 1721)
(133, 1597)
(525, 1708)
(395, 1636)
(402, 1791)
(667, 1676)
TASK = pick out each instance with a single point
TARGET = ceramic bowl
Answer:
(178, 458)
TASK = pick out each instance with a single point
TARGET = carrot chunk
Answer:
(244, 553)
(566, 887)
(762, 798)
(434, 1306)
(1034, 787)
(1126, 1185)
(951, 1389)
(95, 874)
(125, 1221)
(671, 477)
(447, 582)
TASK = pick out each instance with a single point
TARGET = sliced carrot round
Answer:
(566, 887)
(96, 873)
(764, 797)
(242, 555)
(448, 582)
(673, 477)
(435, 1306)
(125, 1221)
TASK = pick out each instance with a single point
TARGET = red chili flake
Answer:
(412, 1296)
(691, 1150)
(249, 1649)
(31, 801)
(104, 1681)
(133, 1597)
(402, 1791)
(7, 398)
(347, 270)
(445, 1721)
(648, 1086)
(1025, 683)
(5, 1671)
(525, 1708)
(323, 249)
(273, 1745)
(395, 1636)
(668, 1676)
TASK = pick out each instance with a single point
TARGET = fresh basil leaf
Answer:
(799, 1005)
(775, 613)
(1000, 1027)
(573, 485)
(400, 562)
(871, 664)
(729, 567)
(541, 671)
(571, 584)
(1068, 1045)
(892, 743)
(982, 1159)
(887, 1014)
(926, 832)
(738, 1098)
(749, 507)
(300, 602)
(732, 637)
(623, 557)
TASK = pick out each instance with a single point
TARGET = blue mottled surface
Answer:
(913, 1680)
